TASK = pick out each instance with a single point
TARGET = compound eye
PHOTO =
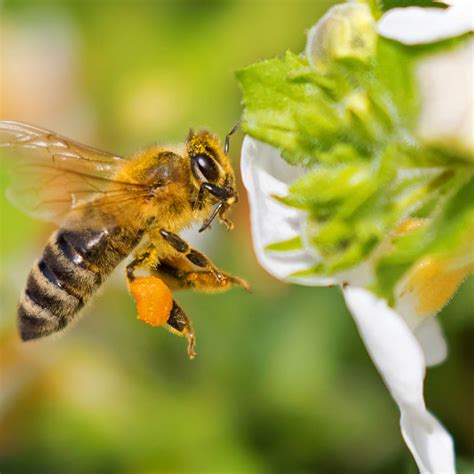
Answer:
(207, 167)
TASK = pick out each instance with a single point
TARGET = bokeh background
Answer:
(282, 382)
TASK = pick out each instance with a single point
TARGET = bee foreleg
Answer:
(195, 257)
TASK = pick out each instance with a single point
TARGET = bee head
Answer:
(210, 164)
(212, 173)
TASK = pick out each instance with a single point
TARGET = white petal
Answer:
(265, 174)
(446, 84)
(431, 339)
(415, 25)
(399, 358)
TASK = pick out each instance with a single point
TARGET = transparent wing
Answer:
(52, 175)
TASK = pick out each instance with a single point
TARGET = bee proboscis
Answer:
(108, 207)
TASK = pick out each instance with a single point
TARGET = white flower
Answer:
(406, 339)
(400, 350)
(413, 25)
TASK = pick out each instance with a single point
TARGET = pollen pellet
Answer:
(153, 299)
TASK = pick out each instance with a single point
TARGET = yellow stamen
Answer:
(435, 278)
(434, 281)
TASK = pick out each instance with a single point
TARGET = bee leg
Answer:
(149, 292)
(178, 323)
(141, 259)
(199, 203)
(136, 263)
(176, 275)
(195, 257)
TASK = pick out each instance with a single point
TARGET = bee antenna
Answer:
(227, 137)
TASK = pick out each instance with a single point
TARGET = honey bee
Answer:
(108, 207)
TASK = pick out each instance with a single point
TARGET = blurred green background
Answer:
(282, 382)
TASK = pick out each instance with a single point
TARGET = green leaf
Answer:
(306, 113)
(389, 4)
(351, 120)
(286, 245)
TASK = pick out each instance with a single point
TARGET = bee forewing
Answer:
(20, 135)
(52, 175)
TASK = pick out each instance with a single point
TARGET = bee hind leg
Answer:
(145, 258)
(155, 304)
(178, 323)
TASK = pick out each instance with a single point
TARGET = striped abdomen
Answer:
(74, 264)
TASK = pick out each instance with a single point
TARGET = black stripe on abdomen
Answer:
(73, 266)
(53, 297)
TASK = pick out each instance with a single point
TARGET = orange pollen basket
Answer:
(153, 299)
